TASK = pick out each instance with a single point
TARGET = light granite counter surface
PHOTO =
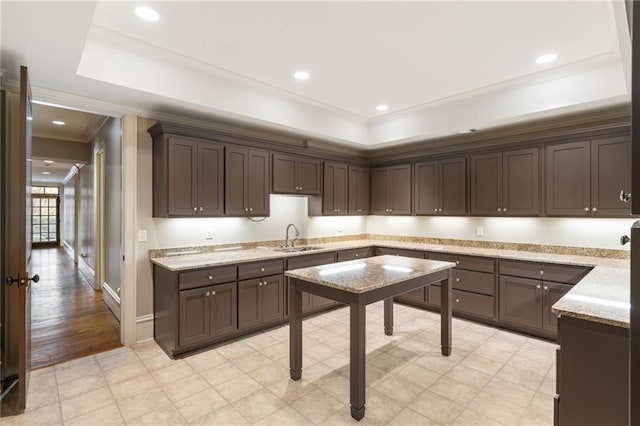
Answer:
(360, 276)
(602, 296)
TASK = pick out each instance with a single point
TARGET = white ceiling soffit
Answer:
(50, 172)
(440, 66)
(78, 126)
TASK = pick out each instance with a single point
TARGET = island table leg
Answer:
(445, 315)
(388, 316)
(295, 331)
(357, 360)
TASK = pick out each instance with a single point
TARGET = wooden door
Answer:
(16, 249)
(380, 202)
(272, 298)
(249, 305)
(182, 177)
(224, 310)
(210, 179)
(453, 186)
(610, 174)
(308, 176)
(358, 195)
(236, 172)
(400, 189)
(520, 182)
(258, 182)
(552, 292)
(486, 184)
(427, 188)
(521, 302)
(194, 316)
(284, 174)
(568, 179)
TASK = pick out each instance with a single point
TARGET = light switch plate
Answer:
(209, 234)
(480, 231)
(142, 235)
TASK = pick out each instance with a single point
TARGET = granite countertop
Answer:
(360, 276)
(601, 296)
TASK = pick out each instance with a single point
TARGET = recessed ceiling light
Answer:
(58, 122)
(46, 173)
(382, 107)
(47, 162)
(301, 75)
(545, 59)
(147, 13)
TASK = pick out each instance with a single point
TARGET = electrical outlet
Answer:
(209, 234)
(480, 231)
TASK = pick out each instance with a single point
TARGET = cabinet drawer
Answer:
(399, 252)
(259, 269)
(354, 254)
(465, 302)
(543, 271)
(472, 263)
(310, 260)
(203, 277)
(477, 282)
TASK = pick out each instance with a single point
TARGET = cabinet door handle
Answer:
(357, 255)
(435, 210)
(538, 293)
(457, 262)
(499, 209)
(624, 196)
(207, 294)
(213, 293)
(504, 209)
(201, 209)
(457, 300)
(195, 209)
(593, 209)
(250, 209)
(457, 280)
(259, 283)
(541, 272)
(246, 209)
(586, 209)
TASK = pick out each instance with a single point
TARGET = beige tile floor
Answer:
(493, 377)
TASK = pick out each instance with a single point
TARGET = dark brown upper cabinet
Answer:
(335, 187)
(246, 182)
(506, 183)
(391, 190)
(440, 187)
(187, 177)
(585, 178)
(293, 174)
(358, 190)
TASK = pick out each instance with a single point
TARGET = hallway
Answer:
(68, 318)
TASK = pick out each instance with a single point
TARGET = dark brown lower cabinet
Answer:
(592, 380)
(354, 254)
(311, 303)
(260, 301)
(207, 313)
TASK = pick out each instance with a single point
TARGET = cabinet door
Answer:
(284, 174)
(182, 197)
(224, 310)
(426, 189)
(486, 184)
(568, 179)
(380, 202)
(521, 302)
(334, 196)
(249, 303)
(236, 172)
(194, 318)
(358, 196)
(610, 174)
(258, 183)
(272, 298)
(308, 176)
(552, 292)
(210, 179)
(400, 189)
(520, 183)
(453, 186)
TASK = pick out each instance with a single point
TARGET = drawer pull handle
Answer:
(213, 293)
(541, 272)
(457, 262)
(357, 255)
(546, 288)
(210, 277)
(457, 280)
(261, 269)
(457, 300)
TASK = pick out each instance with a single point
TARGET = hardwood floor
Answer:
(68, 318)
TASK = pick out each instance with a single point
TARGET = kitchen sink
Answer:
(296, 249)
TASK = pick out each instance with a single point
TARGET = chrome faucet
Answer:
(289, 243)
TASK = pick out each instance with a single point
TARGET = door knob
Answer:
(625, 196)
(624, 240)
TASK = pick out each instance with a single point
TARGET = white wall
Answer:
(577, 232)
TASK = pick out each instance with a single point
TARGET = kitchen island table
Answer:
(358, 283)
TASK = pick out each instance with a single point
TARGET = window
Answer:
(45, 209)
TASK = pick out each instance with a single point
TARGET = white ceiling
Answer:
(440, 66)
(42, 172)
(79, 125)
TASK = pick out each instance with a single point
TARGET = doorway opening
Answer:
(76, 234)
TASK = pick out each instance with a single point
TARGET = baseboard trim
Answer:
(144, 328)
(111, 299)
(68, 249)
(87, 271)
